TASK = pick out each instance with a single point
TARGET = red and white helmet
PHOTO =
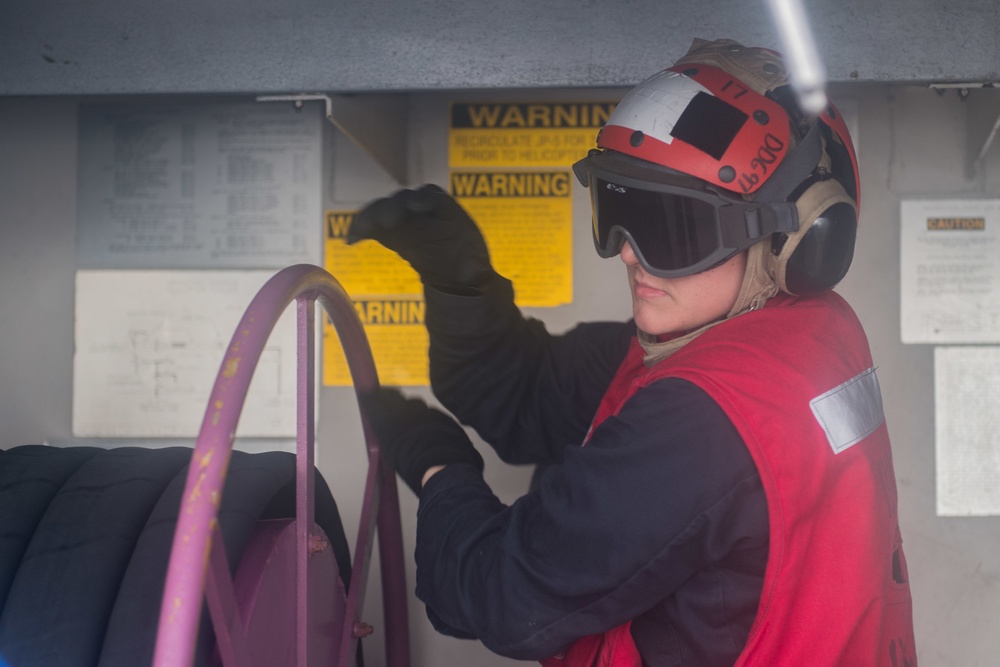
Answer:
(712, 156)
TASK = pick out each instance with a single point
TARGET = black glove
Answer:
(431, 231)
(415, 437)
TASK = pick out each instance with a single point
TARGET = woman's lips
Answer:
(644, 291)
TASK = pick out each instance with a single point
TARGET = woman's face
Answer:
(676, 305)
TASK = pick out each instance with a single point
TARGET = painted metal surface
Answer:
(265, 597)
(103, 47)
(192, 553)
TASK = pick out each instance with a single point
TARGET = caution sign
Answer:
(526, 218)
(554, 134)
(388, 298)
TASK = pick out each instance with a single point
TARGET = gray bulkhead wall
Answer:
(912, 143)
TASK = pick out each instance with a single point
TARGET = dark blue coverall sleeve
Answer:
(527, 393)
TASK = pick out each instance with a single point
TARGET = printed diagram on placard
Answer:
(146, 360)
(168, 355)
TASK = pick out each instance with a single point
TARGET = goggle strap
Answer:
(759, 225)
(758, 222)
(787, 217)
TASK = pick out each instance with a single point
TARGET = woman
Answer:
(734, 500)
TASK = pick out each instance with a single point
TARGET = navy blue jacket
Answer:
(660, 518)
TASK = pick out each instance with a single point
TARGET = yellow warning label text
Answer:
(511, 184)
(337, 223)
(392, 311)
(961, 224)
(530, 115)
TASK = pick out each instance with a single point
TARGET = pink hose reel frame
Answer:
(197, 569)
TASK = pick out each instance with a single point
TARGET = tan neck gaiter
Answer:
(756, 289)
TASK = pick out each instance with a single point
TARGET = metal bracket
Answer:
(982, 119)
(376, 123)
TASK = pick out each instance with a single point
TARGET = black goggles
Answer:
(676, 228)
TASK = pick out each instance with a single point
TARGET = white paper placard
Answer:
(950, 271)
(967, 425)
(199, 186)
(149, 345)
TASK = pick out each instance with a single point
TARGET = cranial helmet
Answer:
(712, 156)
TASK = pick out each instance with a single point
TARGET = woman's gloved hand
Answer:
(415, 437)
(431, 231)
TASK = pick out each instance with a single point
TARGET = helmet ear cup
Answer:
(816, 256)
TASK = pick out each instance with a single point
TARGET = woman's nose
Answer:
(628, 255)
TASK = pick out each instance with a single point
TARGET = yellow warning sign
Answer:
(388, 298)
(526, 218)
(394, 326)
(510, 171)
(509, 165)
(366, 267)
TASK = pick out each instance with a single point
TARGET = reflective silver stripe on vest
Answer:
(850, 412)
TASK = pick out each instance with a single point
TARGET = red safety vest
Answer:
(796, 379)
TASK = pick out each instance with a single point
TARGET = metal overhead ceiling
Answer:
(68, 47)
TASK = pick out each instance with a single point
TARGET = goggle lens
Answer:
(671, 232)
(677, 225)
